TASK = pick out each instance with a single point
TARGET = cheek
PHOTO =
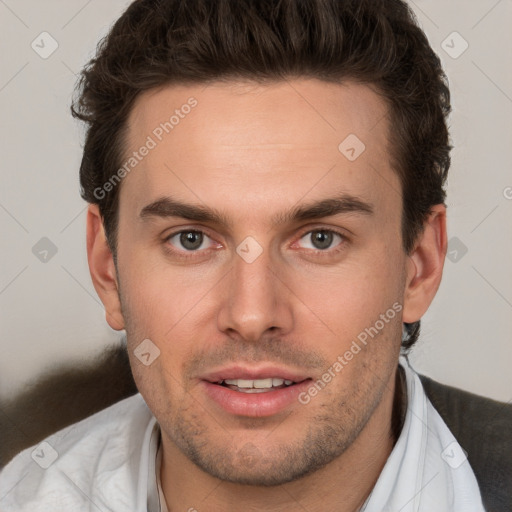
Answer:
(351, 297)
(167, 306)
(157, 321)
(156, 295)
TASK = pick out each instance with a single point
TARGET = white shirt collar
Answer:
(156, 498)
(427, 469)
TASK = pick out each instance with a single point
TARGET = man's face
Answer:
(264, 294)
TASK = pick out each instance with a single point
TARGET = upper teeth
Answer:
(258, 383)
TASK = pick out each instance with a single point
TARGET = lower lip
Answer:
(255, 405)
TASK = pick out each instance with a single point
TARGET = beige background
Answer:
(50, 312)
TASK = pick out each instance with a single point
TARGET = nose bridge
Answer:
(256, 300)
(251, 280)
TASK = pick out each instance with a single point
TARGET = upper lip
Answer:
(247, 373)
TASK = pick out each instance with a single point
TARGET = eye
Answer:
(321, 239)
(190, 240)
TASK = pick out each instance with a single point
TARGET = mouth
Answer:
(253, 393)
(256, 385)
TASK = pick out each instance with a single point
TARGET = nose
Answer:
(255, 300)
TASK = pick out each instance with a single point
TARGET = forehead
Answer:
(244, 144)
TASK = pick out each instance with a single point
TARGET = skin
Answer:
(253, 151)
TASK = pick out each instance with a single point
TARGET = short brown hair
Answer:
(377, 42)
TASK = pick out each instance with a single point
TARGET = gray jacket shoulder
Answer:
(483, 427)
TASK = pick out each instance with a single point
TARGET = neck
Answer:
(342, 486)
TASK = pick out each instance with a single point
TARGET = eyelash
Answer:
(185, 255)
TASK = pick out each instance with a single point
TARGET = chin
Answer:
(267, 464)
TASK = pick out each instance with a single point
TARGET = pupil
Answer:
(191, 240)
(322, 239)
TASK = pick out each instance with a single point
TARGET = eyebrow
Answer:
(343, 204)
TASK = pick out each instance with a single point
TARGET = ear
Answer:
(425, 266)
(102, 268)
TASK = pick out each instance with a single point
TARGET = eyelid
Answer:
(332, 229)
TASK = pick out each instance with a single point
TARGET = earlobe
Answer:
(425, 266)
(102, 268)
